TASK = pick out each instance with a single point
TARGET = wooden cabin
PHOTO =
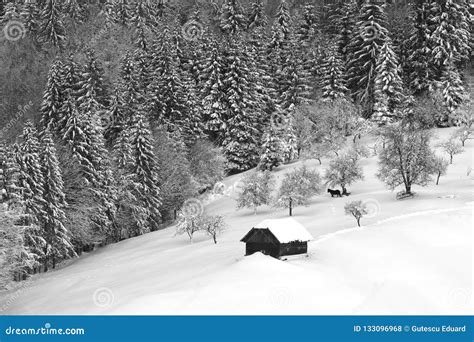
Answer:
(277, 238)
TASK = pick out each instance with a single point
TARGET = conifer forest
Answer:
(123, 118)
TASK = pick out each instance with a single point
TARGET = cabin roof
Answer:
(285, 230)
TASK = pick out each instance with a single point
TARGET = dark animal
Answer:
(336, 193)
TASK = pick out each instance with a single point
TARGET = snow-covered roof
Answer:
(286, 230)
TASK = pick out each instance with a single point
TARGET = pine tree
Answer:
(369, 35)
(75, 11)
(332, 82)
(242, 132)
(92, 94)
(123, 12)
(139, 18)
(232, 19)
(292, 81)
(71, 76)
(421, 71)
(257, 17)
(31, 184)
(144, 175)
(51, 28)
(9, 177)
(30, 16)
(109, 12)
(168, 93)
(452, 88)
(282, 26)
(11, 12)
(114, 117)
(450, 38)
(213, 92)
(308, 23)
(272, 153)
(53, 97)
(58, 241)
(345, 24)
(388, 84)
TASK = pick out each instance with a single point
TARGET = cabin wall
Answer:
(293, 248)
(266, 248)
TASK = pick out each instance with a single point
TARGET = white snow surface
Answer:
(412, 256)
(286, 229)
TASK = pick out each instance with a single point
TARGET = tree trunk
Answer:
(451, 158)
(255, 210)
(408, 188)
(437, 179)
(358, 221)
(291, 207)
(319, 160)
(214, 237)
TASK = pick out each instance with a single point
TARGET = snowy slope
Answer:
(411, 257)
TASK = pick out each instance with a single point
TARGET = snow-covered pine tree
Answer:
(370, 32)
(272, 151)
(53, 97)
(92, 93)
(58, 240)
(232, 19)
(241, 142)
(140, 16)
(51, 29)
(109, 12)
(31, 184)
(257, 16)
(344, 22)
(168, 93)
(452, 88)
(332, 82)
(450, 38)
(421, 71)
(144, 175)
(308, 24)
(30, 16)
(292, 80)
(74, 10)
(9, 177)
(11, 12)
(213, 92)
(114, 120)
(388, 85)
(282, 26)
(123, 12)
(71, 76)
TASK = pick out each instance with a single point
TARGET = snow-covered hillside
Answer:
(410, 257)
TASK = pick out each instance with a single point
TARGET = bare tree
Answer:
(407, 158)
(451, 147)
(357, 209)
